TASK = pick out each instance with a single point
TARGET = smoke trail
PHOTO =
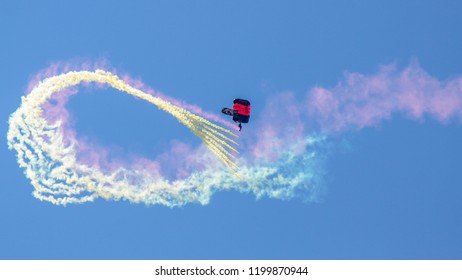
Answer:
(62, 168)
(360, 101)
(281, 157)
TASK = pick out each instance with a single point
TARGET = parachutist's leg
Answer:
(240, 126)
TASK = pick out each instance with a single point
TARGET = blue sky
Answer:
(391, 190)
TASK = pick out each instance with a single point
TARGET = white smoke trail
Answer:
(50, 160)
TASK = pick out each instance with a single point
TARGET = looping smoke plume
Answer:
(281, 157)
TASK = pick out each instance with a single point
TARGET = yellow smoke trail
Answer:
(59, 178)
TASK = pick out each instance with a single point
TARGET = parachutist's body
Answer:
(240, 111)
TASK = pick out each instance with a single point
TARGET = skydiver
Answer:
(240, 111)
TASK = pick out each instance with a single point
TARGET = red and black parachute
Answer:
(240, 111)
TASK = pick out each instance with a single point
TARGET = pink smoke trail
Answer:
(360, 101)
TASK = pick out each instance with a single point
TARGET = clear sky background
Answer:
(394, 193)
